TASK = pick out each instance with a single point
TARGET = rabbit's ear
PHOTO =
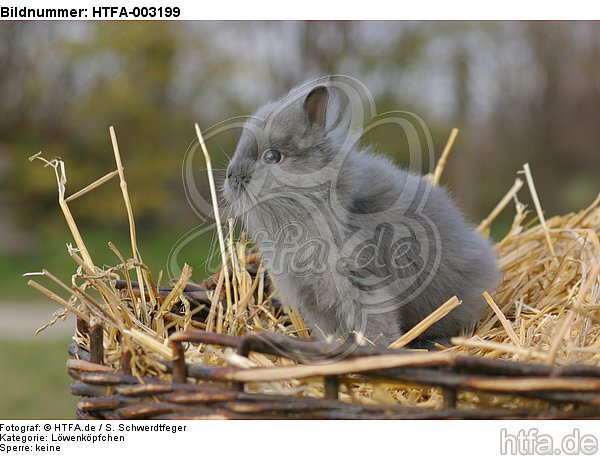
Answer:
(315, 106)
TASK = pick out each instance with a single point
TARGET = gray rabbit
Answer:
(356, 244)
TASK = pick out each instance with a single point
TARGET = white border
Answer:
(346, 10)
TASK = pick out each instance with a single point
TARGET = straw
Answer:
(545, 308)
(505, 323)
(441, 164)
(485, 224)
(427, 322)
(132, 233)
(213, 194)
(538, 206)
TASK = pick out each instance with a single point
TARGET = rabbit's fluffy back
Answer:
(352, 241)
(468, 264)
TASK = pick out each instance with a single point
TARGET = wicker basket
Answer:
(199, 392)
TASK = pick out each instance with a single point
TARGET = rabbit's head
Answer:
(286, 152)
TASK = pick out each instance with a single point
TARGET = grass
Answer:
(52, 255)
(34, 380)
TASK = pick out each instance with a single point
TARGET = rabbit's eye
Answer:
(272, 156)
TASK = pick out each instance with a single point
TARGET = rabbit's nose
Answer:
(229, 174)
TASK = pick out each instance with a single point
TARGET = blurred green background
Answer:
(519, 92)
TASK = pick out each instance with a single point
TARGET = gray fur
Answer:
(350, 240)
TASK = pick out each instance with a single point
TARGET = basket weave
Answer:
(199, 392)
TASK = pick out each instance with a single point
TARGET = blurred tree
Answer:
(547, 110)
(110, 75)
(518, 91)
